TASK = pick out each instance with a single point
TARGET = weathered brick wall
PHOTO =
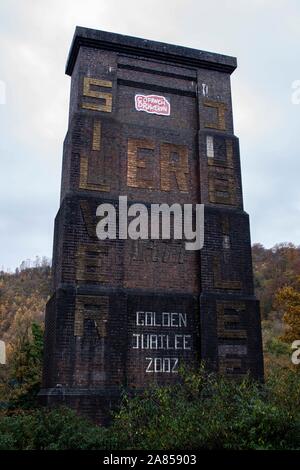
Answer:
(82, 259)
(129, 312)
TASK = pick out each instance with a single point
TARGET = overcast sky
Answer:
(35, 37)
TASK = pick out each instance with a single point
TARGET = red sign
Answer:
(153, 104)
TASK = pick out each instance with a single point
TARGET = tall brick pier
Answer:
(152, 122)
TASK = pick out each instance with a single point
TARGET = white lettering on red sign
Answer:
(153, 104)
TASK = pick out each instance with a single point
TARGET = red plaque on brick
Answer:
(153, 104)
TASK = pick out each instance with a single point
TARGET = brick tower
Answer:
(152, 122)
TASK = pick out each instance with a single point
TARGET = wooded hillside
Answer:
(23, 295)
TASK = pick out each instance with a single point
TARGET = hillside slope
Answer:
(23, 295)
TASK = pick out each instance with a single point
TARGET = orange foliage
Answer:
(287, 300)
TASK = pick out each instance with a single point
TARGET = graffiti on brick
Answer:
(171, 338)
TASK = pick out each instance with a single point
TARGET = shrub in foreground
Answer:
(207, 412)
(58, 429)
(203, 412)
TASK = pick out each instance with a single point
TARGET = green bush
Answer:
(202, 412)
(206, 412)
(24, 375)
(58, 429)
(277, 347)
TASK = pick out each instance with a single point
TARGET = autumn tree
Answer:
(274, 268)
(287, 300)
(26, 367)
